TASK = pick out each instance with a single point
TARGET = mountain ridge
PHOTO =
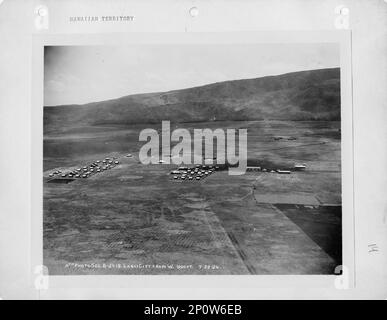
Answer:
(303, 95)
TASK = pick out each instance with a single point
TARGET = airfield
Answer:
(138, 219)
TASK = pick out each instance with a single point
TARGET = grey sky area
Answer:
(82, 74)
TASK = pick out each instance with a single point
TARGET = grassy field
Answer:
(136, 219)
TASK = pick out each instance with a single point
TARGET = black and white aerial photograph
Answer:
(192, 159)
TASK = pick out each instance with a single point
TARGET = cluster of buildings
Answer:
(199, 172)
(95, 167)
(285, 138)
(297, 167)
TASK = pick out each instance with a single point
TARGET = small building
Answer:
(253, 168)
(299, 167)
(283, 171)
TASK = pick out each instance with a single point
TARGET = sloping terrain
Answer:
(306, 95)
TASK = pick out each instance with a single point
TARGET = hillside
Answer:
(306, 95)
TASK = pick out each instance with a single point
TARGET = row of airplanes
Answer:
(198, 172)
(95, 167)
